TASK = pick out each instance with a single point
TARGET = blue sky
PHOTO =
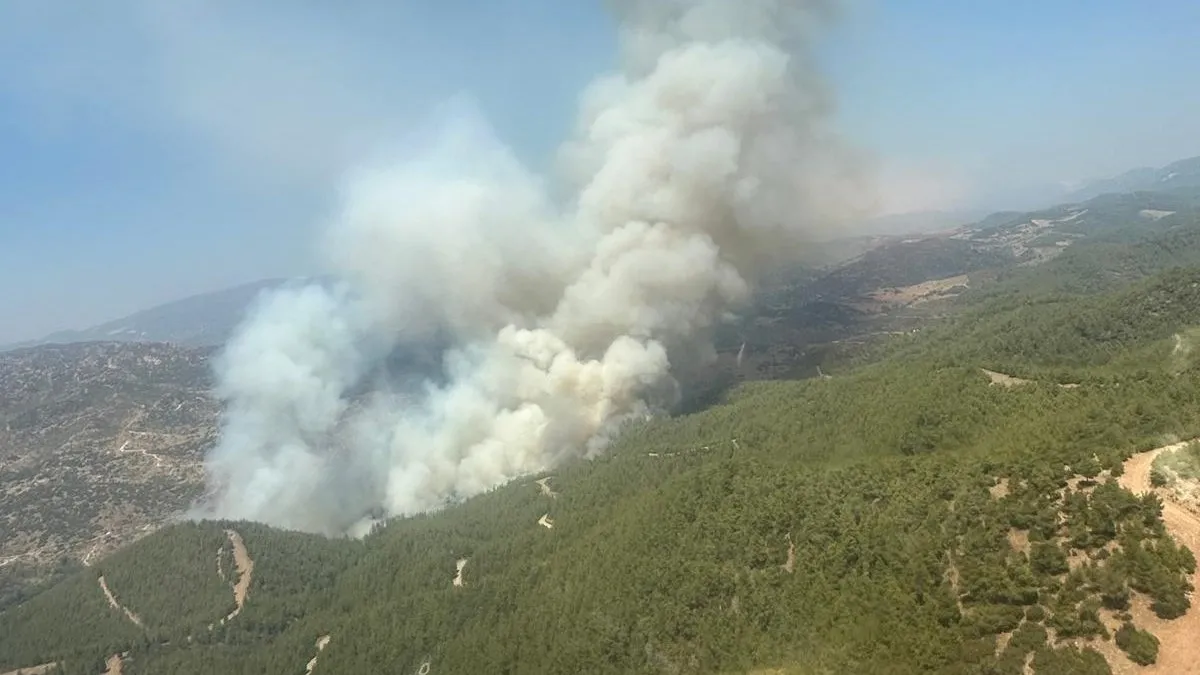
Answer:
(149, 150)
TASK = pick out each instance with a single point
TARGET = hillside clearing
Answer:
(922, 292)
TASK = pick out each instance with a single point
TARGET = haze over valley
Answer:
(723, 370)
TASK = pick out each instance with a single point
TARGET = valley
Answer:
(932, 457)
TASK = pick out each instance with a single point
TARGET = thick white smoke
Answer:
(689, 167)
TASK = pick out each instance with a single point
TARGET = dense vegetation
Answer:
(70, 623)
(905, 516)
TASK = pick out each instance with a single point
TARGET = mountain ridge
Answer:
(199, 320)
(208, 319)
(1183, 173)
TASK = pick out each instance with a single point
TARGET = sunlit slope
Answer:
(907, 515)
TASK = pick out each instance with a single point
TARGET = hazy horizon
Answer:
(150, 152)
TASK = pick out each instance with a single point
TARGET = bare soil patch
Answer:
(1002, 380)
(998, 379)
(790, 565)
(1019, 540)
(1002, 641)
(245, 570)
(544, 484)
(1179, 646)
(458, 575)
(312, 663)
(114, 665)
(1000, 489)
(924, 291)
(32, 670)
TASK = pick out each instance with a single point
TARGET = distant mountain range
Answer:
(1182, 174)
(208, 319)
(201, 320)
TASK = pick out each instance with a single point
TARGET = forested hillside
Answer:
(951, 502)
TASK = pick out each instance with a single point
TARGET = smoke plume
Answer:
(480, 330)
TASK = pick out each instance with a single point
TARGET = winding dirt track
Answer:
(112, 600)
(1179, 648)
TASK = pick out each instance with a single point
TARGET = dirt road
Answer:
(312, 663)
(1179, 648)
(32, 670)
(245, 570)
(112, 601)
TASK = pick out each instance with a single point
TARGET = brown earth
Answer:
(1179, 639)
(245, 570)
(114, 665)
(1000, 489)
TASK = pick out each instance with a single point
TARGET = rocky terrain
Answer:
(99, 444)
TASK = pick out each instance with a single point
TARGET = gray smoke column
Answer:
(707, 151)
